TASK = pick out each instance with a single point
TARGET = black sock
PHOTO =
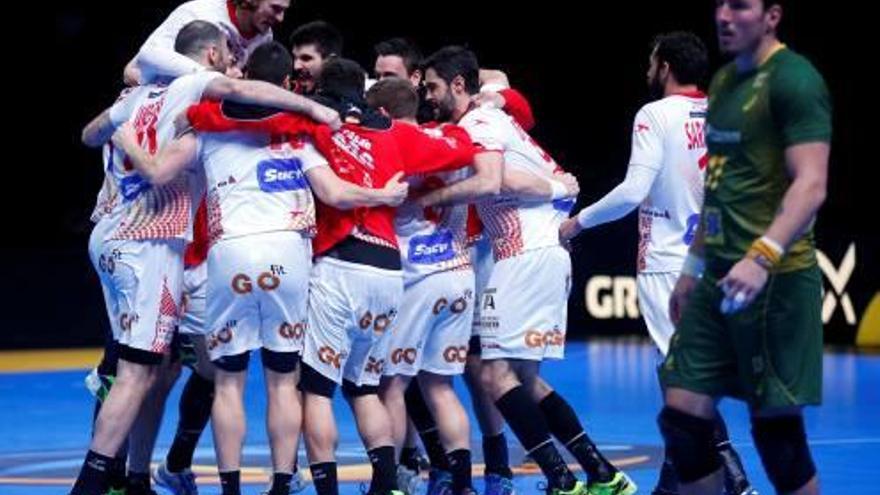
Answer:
(116, 475)
(409, 458)
(384, 470)
(528, 424)
(421, 417)
(324, 478)
(553, 466)
(566, 427)
(735, 479)
(281, 484)
(495, 456)
(460, 467)
(141, 480)
(668, 482)
(195, 411)
(434, 449)
(92, 479)
(230, 483)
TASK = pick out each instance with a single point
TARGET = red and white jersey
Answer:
(367, 157)
(668, 137)
(432, 239)
(219, 12)
(515, 226)
(137, 209)
(256, 184)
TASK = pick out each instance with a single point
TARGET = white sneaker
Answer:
(182, 483)
(408, 481)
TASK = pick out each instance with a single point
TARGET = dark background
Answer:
(582, 65)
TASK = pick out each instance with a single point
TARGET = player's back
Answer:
(514, 225)
(668, 134)
(257, 184)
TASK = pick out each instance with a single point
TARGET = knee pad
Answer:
(690, 443)
(315, 383)
(233, 364)
(782, 443)
(139, 356)
(279, 362)
(351, 391)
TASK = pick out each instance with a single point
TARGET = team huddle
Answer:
(385, 235)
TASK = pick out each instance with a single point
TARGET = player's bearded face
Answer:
(741, 25)
(220, 58)
(269, 13)
(307, 62)
(444, 107)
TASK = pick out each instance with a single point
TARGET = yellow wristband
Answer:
(764, 254)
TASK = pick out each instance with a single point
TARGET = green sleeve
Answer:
(801, 104)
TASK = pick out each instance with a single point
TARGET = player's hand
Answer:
(396, 190)
(325, 115)
(569, 229)
(489, 98)
(570, 182)
(234, 72)
(125, 136)
(680, 296)
(742, 284)
(131, 76)
(490, 76)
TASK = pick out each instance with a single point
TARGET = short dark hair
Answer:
(686, 55)
(404, 49)
(397, 96)
(342, 77)
(326, 38)
(452, 61)
(195, 36)
(270, 62)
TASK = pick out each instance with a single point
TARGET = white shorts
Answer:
(482, 261)
(655, 289)
(195, 285)
(432, 330)
(351, 308)
(525, 305)
(258, 287)
(141, 281)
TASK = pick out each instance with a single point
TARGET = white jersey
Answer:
(255, 186)
(432, 239)
(219, 12)
(515, 226)
(136, 209)
(668, 137)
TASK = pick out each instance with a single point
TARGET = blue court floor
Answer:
(44, 423)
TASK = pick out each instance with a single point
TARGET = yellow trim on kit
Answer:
(869, 328)
(49, 359)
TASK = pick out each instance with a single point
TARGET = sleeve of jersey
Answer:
(423, 153)
(647, 140)
(121, 111)
(486, 135)
(801, 105)
(157, 56)
(310, 156)
(517, 106)
(208, 116)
